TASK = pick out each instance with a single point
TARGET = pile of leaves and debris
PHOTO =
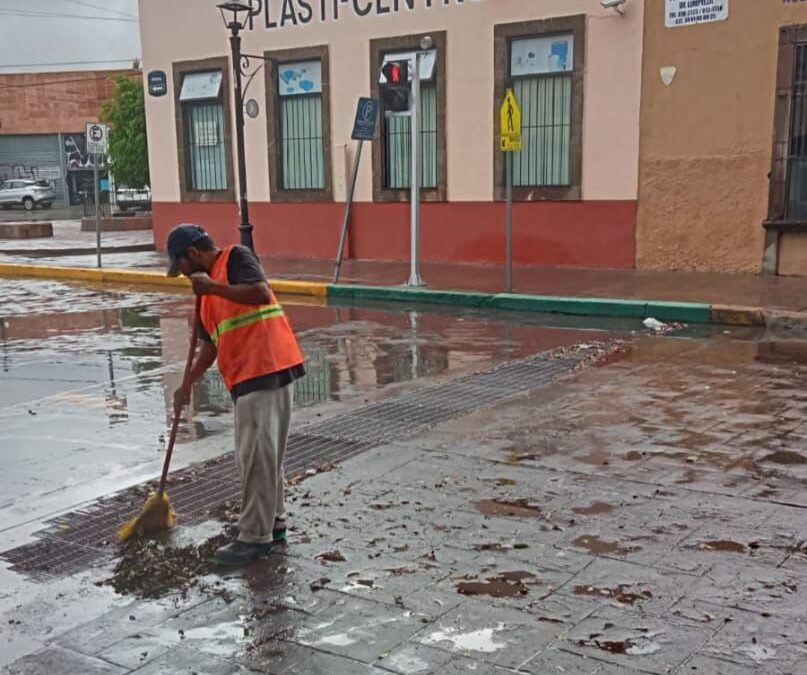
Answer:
(599, 353)
(150, 569)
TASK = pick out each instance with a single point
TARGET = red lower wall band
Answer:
(598, 234)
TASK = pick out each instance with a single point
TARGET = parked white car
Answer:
(26, 193)
(134, 199)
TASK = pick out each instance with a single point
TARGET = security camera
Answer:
(616, 5)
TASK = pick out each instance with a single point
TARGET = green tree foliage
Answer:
(128, 145)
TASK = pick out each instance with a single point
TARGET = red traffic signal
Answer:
(396, 73)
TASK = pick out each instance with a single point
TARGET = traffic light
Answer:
(395, 92)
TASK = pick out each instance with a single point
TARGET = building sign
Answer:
(541, 55)
(97, 138)
(366, 117)
(158, 83)
(273, 14)
(510, 123)
(691, 12)
(200, 86)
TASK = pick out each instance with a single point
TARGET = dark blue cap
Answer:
(179, 239)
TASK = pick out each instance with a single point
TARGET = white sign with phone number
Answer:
(692, 12)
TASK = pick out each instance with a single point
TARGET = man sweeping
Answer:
(243, 326)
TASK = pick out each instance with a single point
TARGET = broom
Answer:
(157, 513)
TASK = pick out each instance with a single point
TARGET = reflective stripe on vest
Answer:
(243, 320)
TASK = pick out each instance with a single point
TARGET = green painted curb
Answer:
(626, 309)
(402, 294)
(683, 312)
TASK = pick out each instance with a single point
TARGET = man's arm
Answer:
(206, 358)
(256, 293)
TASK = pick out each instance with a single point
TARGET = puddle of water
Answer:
(721, 545)
(519, 508)
(233, 630)
(597, 546)
(337, 640)
(406, 663)
(620, 594)
(474, 641)
(505, 585)
(596, 509)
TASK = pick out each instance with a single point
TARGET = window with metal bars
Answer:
(302, 138)
(203, 114)
(797, 148)
(541, 78)
(207, 168)
(398, 144)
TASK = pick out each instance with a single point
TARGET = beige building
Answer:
(575, 66)
(650, 129)
(723, 162)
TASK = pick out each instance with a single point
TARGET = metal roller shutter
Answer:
(33, 157)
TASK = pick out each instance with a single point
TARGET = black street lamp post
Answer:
(236, 25)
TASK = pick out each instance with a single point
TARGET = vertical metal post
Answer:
(414, 256)
(245, 227)
(97, 208)
(508, 157)
(351, 189)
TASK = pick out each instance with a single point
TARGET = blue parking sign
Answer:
(366, 117)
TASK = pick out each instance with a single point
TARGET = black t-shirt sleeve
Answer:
(243, 267)
(203, 334)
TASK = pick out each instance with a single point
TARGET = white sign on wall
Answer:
(295, 79)
(540, 55)
(691, 12)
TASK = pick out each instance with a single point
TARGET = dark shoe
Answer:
(240, 553)
(278, 534)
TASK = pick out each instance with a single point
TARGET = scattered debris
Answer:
(331, 557)
(599, 547)
(319, 584)
(149, 569)
(518, 508)
(721, 545)
(504, 585)
(620, 594)
(597, 508)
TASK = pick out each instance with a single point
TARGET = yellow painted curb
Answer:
(145, 278)
(299, 287)
(738, 316)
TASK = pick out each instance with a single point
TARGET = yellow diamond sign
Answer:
(510, 123)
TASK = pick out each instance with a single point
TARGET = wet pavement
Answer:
(641, 515)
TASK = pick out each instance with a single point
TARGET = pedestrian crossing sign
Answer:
(510, 123)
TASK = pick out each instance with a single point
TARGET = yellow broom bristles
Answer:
(157, 515)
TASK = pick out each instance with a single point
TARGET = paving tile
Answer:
(498, 636)
(356, 628)
(632, 639)
(57, 659)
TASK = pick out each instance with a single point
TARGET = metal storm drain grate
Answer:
(74, 541)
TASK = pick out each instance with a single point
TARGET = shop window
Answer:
(203, 123)
(542, 62)
(392, 156)
(298, 123)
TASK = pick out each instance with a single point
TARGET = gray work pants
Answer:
(262, 421)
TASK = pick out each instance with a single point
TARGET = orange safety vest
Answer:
(252, 340)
